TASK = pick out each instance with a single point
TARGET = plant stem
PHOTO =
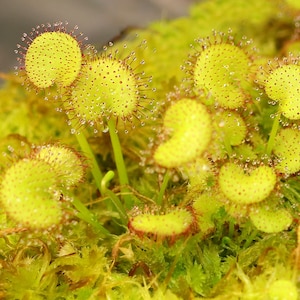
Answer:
(163, 188)
(113, 197)
(273, 133)
(250, 239)
(120, 164)
(88, 217)
(86, 149)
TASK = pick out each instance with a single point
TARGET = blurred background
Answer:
(100, 20)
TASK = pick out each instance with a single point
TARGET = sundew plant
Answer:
(165, 165)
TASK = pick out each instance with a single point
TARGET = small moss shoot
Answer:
(230, 128)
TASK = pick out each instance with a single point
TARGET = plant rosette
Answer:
(205, 206)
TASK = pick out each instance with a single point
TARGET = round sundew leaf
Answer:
(246, 188)
(287, 149)
(106, 87)
(222, 70)
(28, 194)
(267, 217)
(190, 126)
(283, 85)
(53, 57)
(230, 127)
(283, 289)
(64, 161)
(171, 224)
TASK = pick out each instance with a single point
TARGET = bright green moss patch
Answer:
(246, 186)
(293, 3)
(205, 206)
(222, 70)
(53, 57)
(189, 125)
